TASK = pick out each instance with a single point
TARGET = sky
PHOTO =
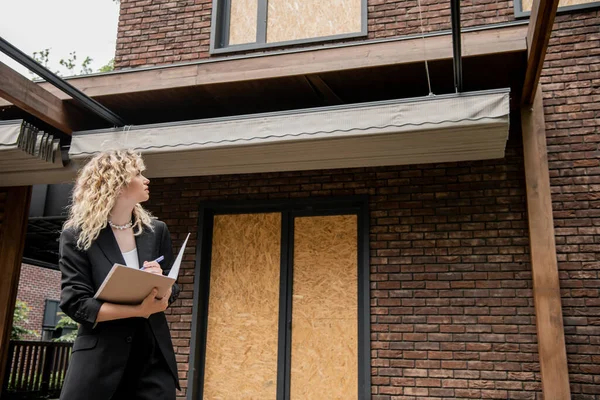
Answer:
(88, 27)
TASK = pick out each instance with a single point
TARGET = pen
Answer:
(159, 259)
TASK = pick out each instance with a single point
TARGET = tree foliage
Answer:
(18, 331)
(70, 63)
(67, 324)
(110, 66)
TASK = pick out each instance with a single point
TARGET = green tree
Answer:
(70, 63)
(66, 323)
(20, 315)
(110, 66)
(42, 57)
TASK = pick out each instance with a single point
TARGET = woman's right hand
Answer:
(152, 305)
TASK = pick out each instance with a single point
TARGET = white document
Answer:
(124, 285)
(175, 268)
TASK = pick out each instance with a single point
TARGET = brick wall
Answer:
(388, 18)
(153, 32)
(162, 31)
(452, 307)
(36, 284)
(451, 302)
(571, 84)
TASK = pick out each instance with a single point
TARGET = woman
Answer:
(121, 351)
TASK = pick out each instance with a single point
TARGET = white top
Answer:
(131, 259)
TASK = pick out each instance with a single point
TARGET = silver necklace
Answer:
(120, 227)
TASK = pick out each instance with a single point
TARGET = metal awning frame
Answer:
(78, 96)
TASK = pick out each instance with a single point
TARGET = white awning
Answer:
(25, 148)
(458, 127)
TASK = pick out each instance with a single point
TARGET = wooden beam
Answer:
(323, 90)
(14, 208)
(45, 176)
(33, 99)
(298, 62)
(538, 36)
(546, 284)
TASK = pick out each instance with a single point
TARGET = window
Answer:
(251, 24)
(283, 298)
(51, 318)
(523, 7)
(52, 314)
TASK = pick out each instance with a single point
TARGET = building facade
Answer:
(451, 304)
(348, 269)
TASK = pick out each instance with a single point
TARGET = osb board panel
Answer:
(241, 347)
(527, 4)
(325, 308)
(296, 19)
(243, 17)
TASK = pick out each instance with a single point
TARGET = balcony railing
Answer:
(35, 369)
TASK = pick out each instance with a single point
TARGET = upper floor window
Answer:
(523, 7)
(253, 24)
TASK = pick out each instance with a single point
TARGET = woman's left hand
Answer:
(152, 267)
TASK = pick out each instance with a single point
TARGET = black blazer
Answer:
(101, 350)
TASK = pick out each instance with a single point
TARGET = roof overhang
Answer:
(458, 127)
(506, 38)
(324, 75)
(239, 87)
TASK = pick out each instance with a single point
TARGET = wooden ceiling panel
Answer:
(209, 101)
(265, 95)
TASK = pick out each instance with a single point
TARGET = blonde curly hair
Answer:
(96, 189)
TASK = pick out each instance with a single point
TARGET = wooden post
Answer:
(13, 217)
(539, 31)
(546, 284)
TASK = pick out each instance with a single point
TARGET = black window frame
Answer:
(220, 22)
(289, 209)
(56, 317)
